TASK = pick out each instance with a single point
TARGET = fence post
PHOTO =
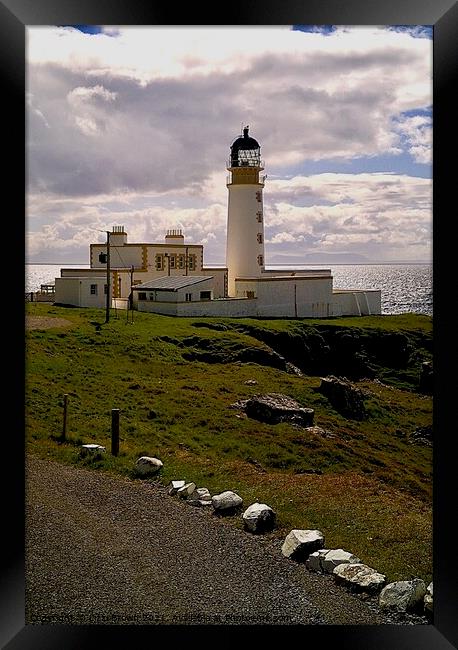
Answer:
(64, 425)
(114, 432)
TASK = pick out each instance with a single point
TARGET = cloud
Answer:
(134, 124)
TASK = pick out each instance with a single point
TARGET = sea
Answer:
(405, 287)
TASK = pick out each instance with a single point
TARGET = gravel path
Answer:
(108, 550)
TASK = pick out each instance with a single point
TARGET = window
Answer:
(259, 238)
(259, 217)
(260, 260)
(181, 261)
(258, 196)
(105, 289)
(142, 295)
(250, 294)
(205, 295)
(173, 261)
(159, 263)
(93, 289)
(192, 262)
(151, 296)
(188, 297)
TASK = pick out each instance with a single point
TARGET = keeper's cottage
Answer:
(170, 277)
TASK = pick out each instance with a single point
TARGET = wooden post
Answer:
(64, 425)
(114, 432)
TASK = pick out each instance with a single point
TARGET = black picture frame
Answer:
(15, 15)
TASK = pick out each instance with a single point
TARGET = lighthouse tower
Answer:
(245, 219)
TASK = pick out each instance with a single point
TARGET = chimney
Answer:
(174, 237)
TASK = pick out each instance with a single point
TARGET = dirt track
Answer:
(102, 549)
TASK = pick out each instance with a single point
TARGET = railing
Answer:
(245, 163)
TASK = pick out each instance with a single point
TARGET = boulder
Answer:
(422, 436)
(259, 518)
(226, 502)
(148, 465)
(428, 600)
(344, 397)
(175, 486)
(313, 562)
(359, 577)
(186, 490)
(250, 382)
(299, 544)
(403, 596)
(92, 450)
(200, 494)
(275, 407)
(337, 556)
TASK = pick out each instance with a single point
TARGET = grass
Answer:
(363, 484)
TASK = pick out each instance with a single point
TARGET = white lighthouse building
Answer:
(170, 278)
(245, 217)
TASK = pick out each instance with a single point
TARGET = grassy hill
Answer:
(364, 484)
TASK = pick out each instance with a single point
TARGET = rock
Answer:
(428, 600)
(299, 544)
(201, 494)
(337, 556)
(313, 562)
(344, 397)
(274, 408)
(425, 381)
(422, 436)
(175, 486)
(250, 382)
(186, 490)
(403, 596)
(226, 502)
(92, 450)
(359, 577)
(148, 465)
(199, 503)
(259, 518)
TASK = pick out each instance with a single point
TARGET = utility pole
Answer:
(108, 301)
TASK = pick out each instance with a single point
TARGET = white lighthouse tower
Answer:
(245, 218)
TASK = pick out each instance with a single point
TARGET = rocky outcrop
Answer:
(148, 465)
(299, 544)
(403, 596)
(226, 502)
(346, 398)
(259, 518)
(273, 408)
(359, 577)
(220, 350)
(428, 600)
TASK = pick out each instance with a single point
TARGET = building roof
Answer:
(172, 282)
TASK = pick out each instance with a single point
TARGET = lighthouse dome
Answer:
(245, 150)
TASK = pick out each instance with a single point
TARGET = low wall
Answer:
(236, 307)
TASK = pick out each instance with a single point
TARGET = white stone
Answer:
(403, 596)
(226, 501)
(186, 490)
(92, 449)
(338, 556)
(313, 562)
(258, 518)
(148, 465)
(201, 494)
(428, 602)
(175, 486)
(359, 577)
(300, 543)
(199, 503)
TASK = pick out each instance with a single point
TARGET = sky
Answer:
(133, 125)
